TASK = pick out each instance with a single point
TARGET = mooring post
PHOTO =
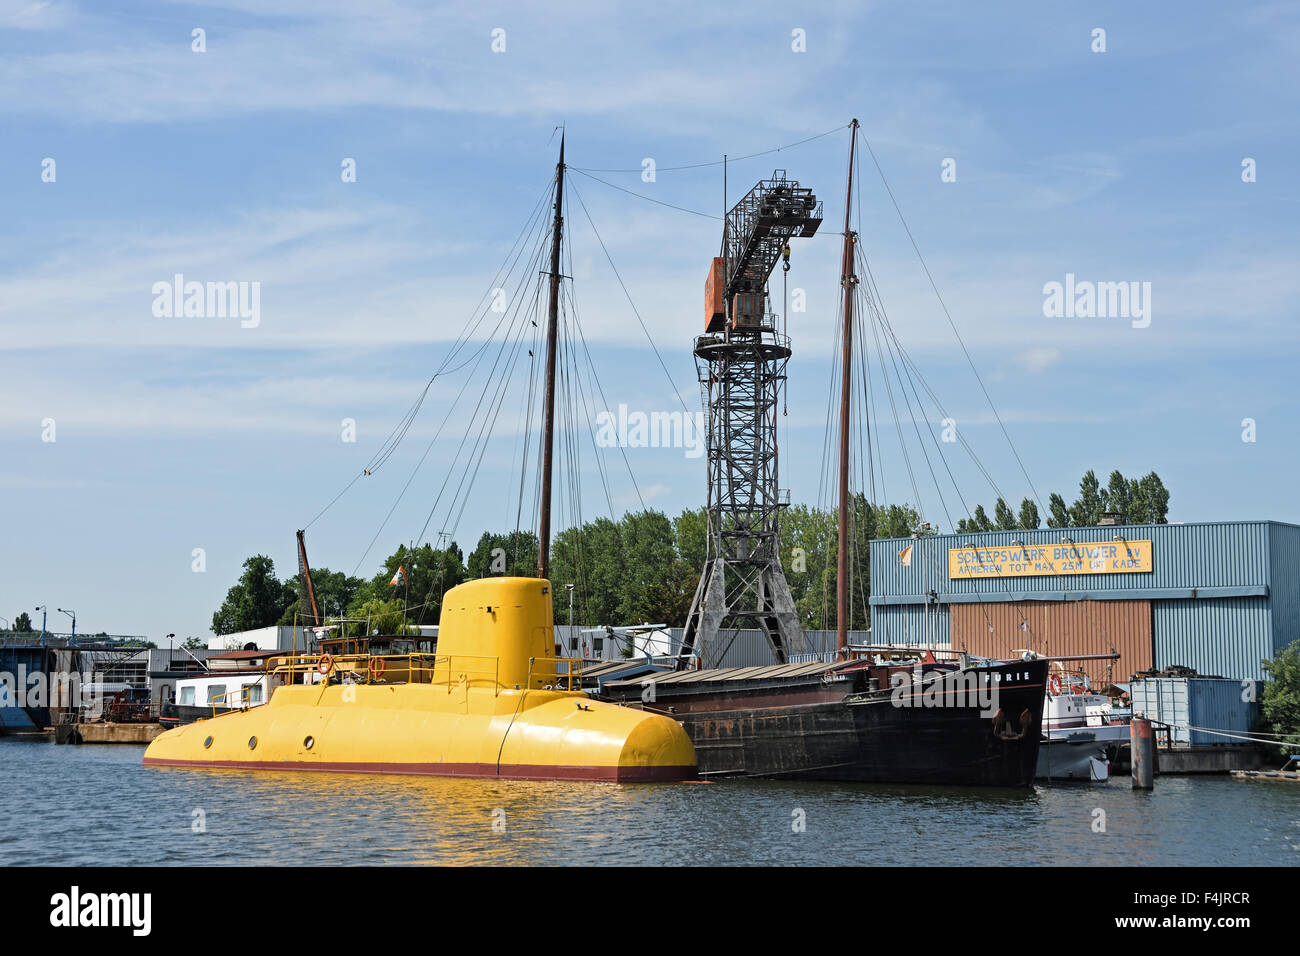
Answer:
(1142, 748)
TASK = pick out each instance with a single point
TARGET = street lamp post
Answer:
(44, 609)
(73, 615)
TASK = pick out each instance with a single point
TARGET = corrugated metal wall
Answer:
(1226, 554)
(1188, 703)
(1284, 585)
(1228, 637)
(906, 624)
(1224, 596)
(1056, 629)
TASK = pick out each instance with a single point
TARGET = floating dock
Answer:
(105, 732)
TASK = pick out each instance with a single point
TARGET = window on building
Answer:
(215, 692)
(187, 697)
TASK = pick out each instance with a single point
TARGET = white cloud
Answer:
(1038, 359)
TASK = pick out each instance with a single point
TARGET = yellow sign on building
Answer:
(1084, 557)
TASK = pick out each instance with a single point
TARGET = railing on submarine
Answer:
(451, 671)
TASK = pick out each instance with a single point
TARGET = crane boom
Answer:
(757, 228)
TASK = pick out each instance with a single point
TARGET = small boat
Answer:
(234, 681)
(1082, 733)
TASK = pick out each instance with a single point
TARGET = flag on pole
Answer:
(399, 579)
(1024, 625)
(905, 557)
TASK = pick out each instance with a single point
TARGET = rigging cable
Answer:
(716, 162)
(948, 315)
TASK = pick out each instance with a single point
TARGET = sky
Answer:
(147, 456)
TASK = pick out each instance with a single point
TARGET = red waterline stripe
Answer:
(512, 771)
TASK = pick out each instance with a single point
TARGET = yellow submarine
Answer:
(496, 701)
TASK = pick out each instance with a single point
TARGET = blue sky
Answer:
(176, 434)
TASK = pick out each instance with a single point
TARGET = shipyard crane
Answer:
(741, 362)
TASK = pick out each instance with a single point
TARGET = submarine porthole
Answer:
(207, 743)
(308, 742)
(252, 743)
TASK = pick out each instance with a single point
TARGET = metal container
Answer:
(714, 312)
(1186, 709)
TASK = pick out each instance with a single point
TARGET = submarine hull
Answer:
(427, 730)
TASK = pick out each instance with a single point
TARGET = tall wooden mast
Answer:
(849, 280)
(552, 334)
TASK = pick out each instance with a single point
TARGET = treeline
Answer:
(644, 567)
(1132, 500)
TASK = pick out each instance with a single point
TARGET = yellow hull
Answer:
(427, 729)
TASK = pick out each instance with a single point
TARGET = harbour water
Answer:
(96, 805)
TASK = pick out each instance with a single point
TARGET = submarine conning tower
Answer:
(499, 630)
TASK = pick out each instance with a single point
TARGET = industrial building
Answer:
(1217, 597)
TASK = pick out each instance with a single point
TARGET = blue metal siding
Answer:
(1225, 638)
(905, 624)
(1218, 555)
(1189, 703)
(1284, 585)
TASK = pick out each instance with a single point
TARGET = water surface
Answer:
(97, 804)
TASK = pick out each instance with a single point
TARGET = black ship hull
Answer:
(942, 730)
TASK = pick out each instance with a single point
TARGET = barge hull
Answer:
(866, 737)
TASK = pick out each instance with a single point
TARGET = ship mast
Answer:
(552, 330)
(848, 280)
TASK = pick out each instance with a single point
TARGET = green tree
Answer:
(1028, 519)
(817, 602)
(23, 623)
(513, 554)
(1280, 703)
(1004, 517)
(652, 584)
(1059, 513)
(1087, 508)
(430, 572)
(589, 557)
(690, 536)
(383, 617)
(257, 600)
(1150, 500)
(334, 592)
(1118, 497)
(194, 643)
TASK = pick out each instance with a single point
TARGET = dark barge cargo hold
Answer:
(856, 721)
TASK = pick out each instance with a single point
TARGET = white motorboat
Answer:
(1082, 731)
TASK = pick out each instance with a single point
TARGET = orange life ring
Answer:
(1054, 685)
(325, 664)
(377, 671)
